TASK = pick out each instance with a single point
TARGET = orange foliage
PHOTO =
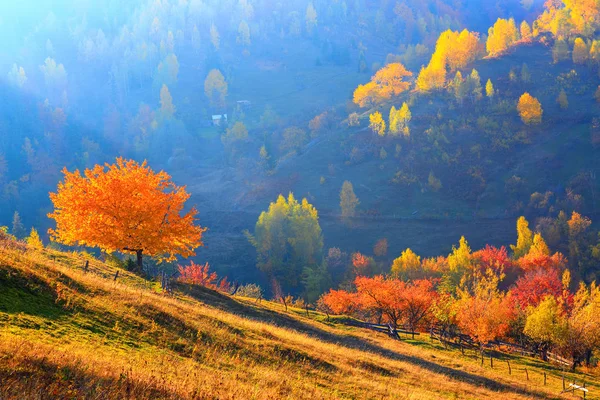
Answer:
(493, 258)
(391, 299)
(534, 261)
(386, 83)
(530, 109)
(125, 207)
(340, 301)
(360, 261)
(485, 313)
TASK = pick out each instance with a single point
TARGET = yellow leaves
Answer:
(377, 124)
(501, 36)
(385, 84)
(530, 109)
(125, 207)
(215, 88)
(34, 240)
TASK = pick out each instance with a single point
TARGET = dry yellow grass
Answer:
(66, 334)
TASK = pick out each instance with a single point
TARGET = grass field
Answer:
(68, 334)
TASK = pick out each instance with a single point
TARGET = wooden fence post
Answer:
(527, 373)
(491, 360)
(544, 379)
(86, 266)
(563, 379)
(509, 369)
(116, 276)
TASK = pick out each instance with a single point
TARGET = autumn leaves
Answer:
(125, 207)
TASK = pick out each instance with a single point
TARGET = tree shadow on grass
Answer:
(248, 310)
(34, 376)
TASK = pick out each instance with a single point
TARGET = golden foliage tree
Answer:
(215, 88)
(453, 50)
(125, 207)
(524, 238)
(377, 123)
(387, 82)
(525, 31)
(501, 36)
(34, 241)
(530, 109)
(489, 89)
(407, 265)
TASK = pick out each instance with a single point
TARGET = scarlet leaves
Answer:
(387, 299)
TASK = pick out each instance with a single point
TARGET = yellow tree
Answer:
(377, 124)
(407, 265)
(215, 88)
(389, 81)
(34, 240)
(166, 102)
(403, 117)
(530, 109)
(525, 31)
(366, 95)
(501, 36)
(524, 238)
(125, 207)
(489, 89)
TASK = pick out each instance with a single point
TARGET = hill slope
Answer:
(65, 333)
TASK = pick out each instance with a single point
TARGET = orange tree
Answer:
(125, 207)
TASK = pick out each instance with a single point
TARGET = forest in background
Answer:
(145, 82)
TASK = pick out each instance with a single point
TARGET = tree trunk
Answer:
(140, 262)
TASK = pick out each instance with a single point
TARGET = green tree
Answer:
(474, 86)
(288, 239)
(525, 74)
(562, 100)
(18, 229)
(348, 200)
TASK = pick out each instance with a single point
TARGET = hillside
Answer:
(67, 333)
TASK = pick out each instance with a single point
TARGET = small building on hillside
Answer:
(219, 119)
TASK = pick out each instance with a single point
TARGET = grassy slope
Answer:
(68, 334)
